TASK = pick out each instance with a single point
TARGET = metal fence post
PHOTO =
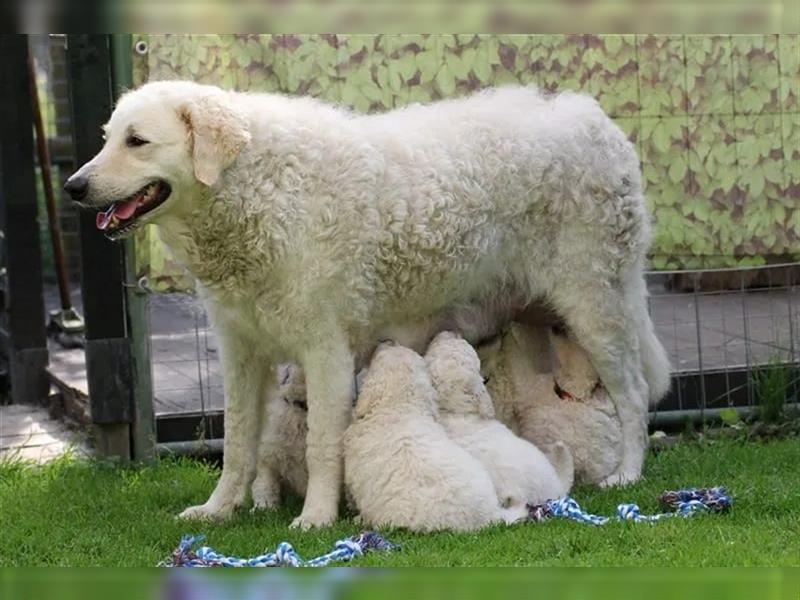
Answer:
(26, 337)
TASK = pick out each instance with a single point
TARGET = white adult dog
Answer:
(401, 467)
(314, 232)
(521, 472)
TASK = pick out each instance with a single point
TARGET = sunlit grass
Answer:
(73, 512)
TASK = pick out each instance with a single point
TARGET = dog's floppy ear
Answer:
(218, 132)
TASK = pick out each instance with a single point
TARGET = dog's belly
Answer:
(477, 322)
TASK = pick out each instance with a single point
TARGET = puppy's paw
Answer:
(265, 502)
(207, 512)
(620, 478)
(266, 495)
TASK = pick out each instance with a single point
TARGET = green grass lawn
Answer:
(79, 513)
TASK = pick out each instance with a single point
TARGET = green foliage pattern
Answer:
(716, 118)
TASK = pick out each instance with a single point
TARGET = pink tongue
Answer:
(122, 210)
(127, 209)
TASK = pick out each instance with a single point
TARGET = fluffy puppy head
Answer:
(456, 376)
(396, 382)
(574, 375)
(292, 384)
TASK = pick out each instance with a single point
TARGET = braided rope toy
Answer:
(284, 556)
(685, 503)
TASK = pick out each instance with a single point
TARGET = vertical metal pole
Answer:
(729, 400)
(137, 299)
(43, 152)
(699, 348)
(678, 380)
(27, 341)
(654, 409)
(203, 434)
(746, 327)
(792, 355)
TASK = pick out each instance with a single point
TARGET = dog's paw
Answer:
(206, 512)
(311, 520)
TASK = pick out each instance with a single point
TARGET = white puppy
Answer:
(400, 466)
(546, 401)
(282, 450)
(521, 473)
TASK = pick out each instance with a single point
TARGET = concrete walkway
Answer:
(28, 433)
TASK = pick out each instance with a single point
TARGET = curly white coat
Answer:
(315, 232)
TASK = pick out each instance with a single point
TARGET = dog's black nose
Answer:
(77, 187)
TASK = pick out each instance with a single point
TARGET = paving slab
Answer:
(28, 433)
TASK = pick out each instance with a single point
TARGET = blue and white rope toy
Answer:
(284, 556)
(685, 503)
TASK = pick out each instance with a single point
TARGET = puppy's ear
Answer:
(485, 405)
(369, 396)
(218, 132)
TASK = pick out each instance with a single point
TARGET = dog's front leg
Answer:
(329, 381)
(246, 378)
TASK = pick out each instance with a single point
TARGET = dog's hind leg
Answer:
(329, 368)
(246, 377)
(597, 315)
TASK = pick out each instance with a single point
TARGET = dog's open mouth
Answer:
(122, 216)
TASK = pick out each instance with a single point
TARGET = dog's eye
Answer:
(132, 141)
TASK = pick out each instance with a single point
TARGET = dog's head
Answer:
(456, 375)
(396, 380)
(165, 143)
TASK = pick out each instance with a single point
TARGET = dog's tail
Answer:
(655, 363)
(561, 459)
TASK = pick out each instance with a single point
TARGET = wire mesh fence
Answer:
(185, 362)
(723, 328)
(720, 327)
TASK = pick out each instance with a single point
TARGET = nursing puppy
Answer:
(400, 467)
(521, 473)
(548, 399)
(282, 450)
